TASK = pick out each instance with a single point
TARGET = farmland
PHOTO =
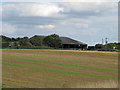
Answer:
(40, 68)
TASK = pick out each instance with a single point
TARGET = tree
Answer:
(24, 43)
(5, 39)
(18, 39)
(13, 39)
(36, 41)
(110, 46)
(52, 41)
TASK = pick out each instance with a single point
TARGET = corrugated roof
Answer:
(66, 40)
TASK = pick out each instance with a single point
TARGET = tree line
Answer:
(112, 46)
(35, 42)
(50, 41)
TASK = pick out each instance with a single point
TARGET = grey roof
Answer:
(66, 40)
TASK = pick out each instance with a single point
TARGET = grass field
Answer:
(30, 68)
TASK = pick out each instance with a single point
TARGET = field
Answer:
(30, 68)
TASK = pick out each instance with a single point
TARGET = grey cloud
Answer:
(65, 22)
(12, 16)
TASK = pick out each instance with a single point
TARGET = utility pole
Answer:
(102, 41)
(106, 40)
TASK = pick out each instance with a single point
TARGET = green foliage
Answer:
(52, 41)
(36, 41)
(3, 86)
(110, 46)
(18, 39)
(13, 39)
(5, 44)
(5, 39)
(24, 43)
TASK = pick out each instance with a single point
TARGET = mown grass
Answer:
(60, 71)
(58, 68)
(62, 64)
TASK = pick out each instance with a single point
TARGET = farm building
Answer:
(99, 46)
(68, 43)
(72, 44)
(91, 48)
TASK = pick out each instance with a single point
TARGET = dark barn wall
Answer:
(74, 46)
(69, 46)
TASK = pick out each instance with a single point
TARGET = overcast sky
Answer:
(88, 22)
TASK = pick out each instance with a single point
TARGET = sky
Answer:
(86, 21)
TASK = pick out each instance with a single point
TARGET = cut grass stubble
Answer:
(62, 64)
(60, 71)
(59, 68)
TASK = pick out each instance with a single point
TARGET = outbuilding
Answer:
(68, 43)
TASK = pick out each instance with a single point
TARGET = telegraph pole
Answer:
(102, 41)
(106, 41)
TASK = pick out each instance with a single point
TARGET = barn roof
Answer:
(66, 40)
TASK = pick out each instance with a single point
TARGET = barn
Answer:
(69, 43)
